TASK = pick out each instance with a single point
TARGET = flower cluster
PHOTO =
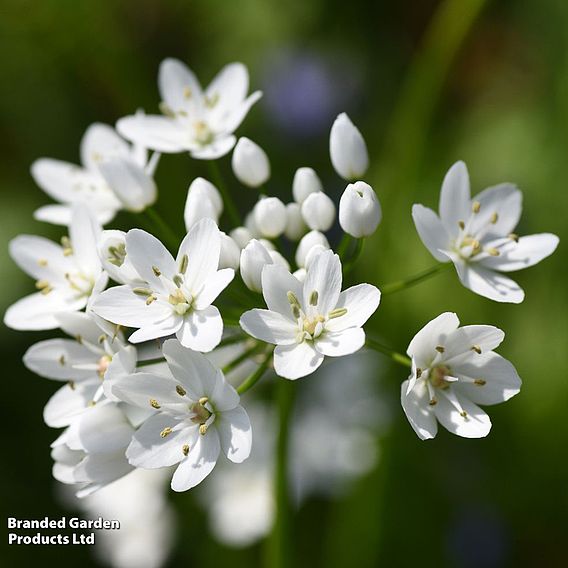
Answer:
(157, 324)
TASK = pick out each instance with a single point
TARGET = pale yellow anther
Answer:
(433, 402)
(185, 449)
(314, 298)
(494, 218)
(514, 237)
(476, 348)
(203, 429)
(203, 400)
(461, 225)
(102, 338)
(479, 382)
(142, 291)
(493, 251)
(183, 263)
(440, 348)
(178, 280)
(150, 299)
(418, 373)
(337, 313)
(476, 206)
(180, 390)
(71, 385)
(476, 246)
(92, 403)
(292, 298)
(463, 414)
(156, 271)
(154, 403)
(42, 262)
(187, 93)
(165, 432)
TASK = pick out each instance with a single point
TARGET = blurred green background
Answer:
(428, 83)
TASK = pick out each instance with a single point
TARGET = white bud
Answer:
(254, 257)
(306, 182)
(300, 274)
(359, 210)
(242, 236)
(270, 217)
(313, 252)
(250, 163)
(203, 202)
(268, 245)
(230, 253)
(250, 225)
(347, 149)
(318, 211)
(309, 241)
(134, 188)
(295, 226)
(277, 258)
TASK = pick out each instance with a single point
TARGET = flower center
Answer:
(202, 133)
(438, 377)
(180, 303)
(116, 254)
(203, 414)
(103, 364)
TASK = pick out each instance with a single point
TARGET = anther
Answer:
(183, 263)
(418, 373)
(476, 246)
(142, 291)
(476, 206)
(185, 449)
(156, 271)
(461, 225)
(165, 432)
(493, 251)
(337, 313)
(150, 299)
(514, 237)
(102, 338)
(476, 348)
(433, 402)
(180, 390)
(42, 262)
(154, 403)
(314, 298)
(479, 382)
(440, 348)
(463, 414)
(71, 385)
(166, 110)
(292, 298)
(92, 403)
(187, 93)
(494, 218)
(178, 280)
(62, 360)
(203, 400)
(203, 429)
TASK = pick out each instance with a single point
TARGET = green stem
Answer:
(165, 232)
(253, 378)
(348, 266)
(230, 206)
(413, 280)
(394, 355)
(343, 245)
(281, 555)
(242, 357)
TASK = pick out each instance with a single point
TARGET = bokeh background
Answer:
(428, 83)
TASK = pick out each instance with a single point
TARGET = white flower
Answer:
(112, 252)
(359, 210)
(242, 236)
(65, 275)
(199, 415)
(68, 183)
(295, 225)
(250, 163)
(270, 217)
(310, 240)
(194, 121)
(347, 149)
(230, 256)
(305, 182)
(203, 202)
(311, 320)
(254, 257)
(477, 235)
(453, 370)
(318, 211)
(177, 295)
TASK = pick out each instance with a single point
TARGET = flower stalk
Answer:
(413, 280)
(232, 210)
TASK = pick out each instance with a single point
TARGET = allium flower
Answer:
(68, 183)
(254, 257)
(306, 182)
(65, 274)
(203, 202)
(250, 163)
(318, 211)
(177, 294)
(347, 149)
(198, 416)
(477, 235)
(195, 121)
(359, 210)
(311, 320)
(270, 217)
(307, 243)
(453, 370)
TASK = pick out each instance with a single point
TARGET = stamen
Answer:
(493, 251)
(165, 432)
(337, 313)
(183, 263)
(461, 225)
(203, 429)
(42, 262)
(185, 449)
(187, 93)
(71, 385)
(476, 246)
(92, 403)
(154, 403)
(156, 271)
(494, 218)
(476, 348)
(476, 206)
(418, 373)
(479, 382)
(203, 400)
(150, 299)
(440, 348)
(142, 291)
(102, 338)
(180, 390)
(178, 280)
(314, 298)
(433, 402)
(166, 110)
(67, 248)
(514, 237)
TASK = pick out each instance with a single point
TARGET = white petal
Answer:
(199, 463)
(61, 214)
(227, 90)
(297, 360)
(217, 149)
(58, 359)
(528, 251)
(164, 328)
(431, 231)
(84, 233)
(104, 428)
(417, 410)
(467, 340)
(324, 276)
(475, 425)
(234, 119)
(339, 343)
(434, 333)
(489, 284)
(201, 329)
(80, 324)
(502, 380)
(455, 198)
(214, 285)
(276, 283)
(100, 142)
(235, 434)
(156, 132)
(150, 450)
(100, 470)
(68, 403)
(202, 245)
(39, 257)
(269, 326)
(361, 302)
(179, 87)
(146, 252)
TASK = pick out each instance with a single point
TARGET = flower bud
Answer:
(270, 217)
(250, 163)
(203, 201)
(300, 274)
(347, 149)
(277, 258)
(318, 211)
(241, 236)
(309, 241)
(254, 257)
(134, 188)
(295, 226)
(230, 253)
(306, 182)
(250, 225)
(359, 210)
